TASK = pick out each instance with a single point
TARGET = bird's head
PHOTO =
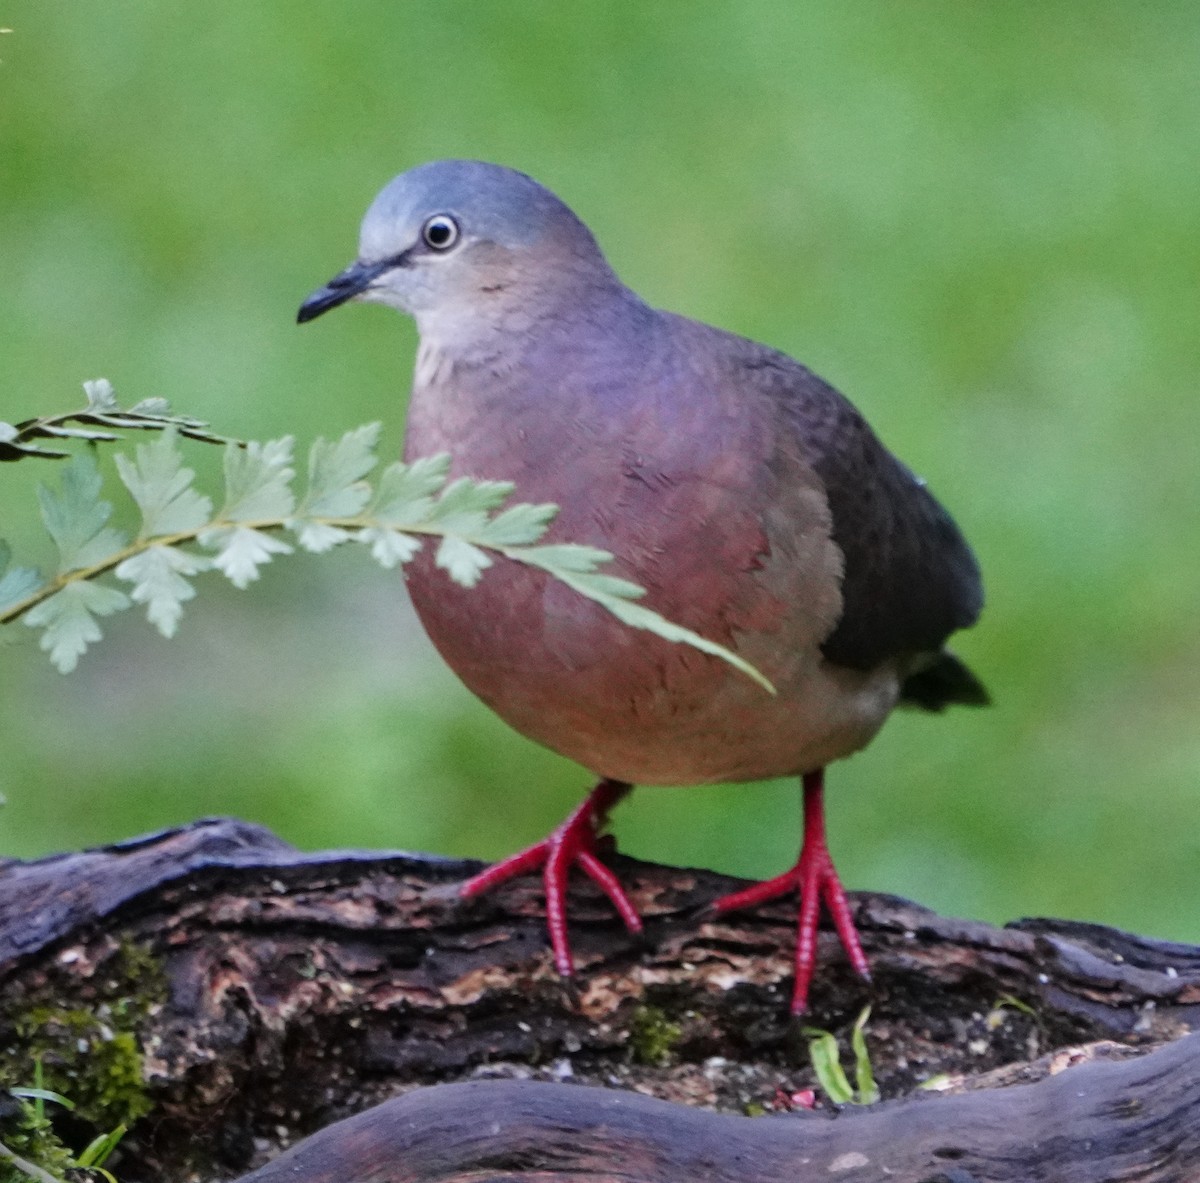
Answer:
(456, 240)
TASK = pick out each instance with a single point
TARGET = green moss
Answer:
(139, 976)
(30, 1136)
(652, 1037)
(89, 1052)
(88, 1061)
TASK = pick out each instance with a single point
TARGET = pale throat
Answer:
(491, 331)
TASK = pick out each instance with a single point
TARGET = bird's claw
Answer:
(575, 843)
(815, 879)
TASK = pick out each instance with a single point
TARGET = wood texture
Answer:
(300, 988)
(1089, 1123)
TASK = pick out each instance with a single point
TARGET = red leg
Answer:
(574, 842)
(815, 878)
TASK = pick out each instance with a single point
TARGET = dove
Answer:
(750, 500)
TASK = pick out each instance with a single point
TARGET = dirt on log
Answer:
(274, 992)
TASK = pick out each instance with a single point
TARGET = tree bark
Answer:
(284, 991)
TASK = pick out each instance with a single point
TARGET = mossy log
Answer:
(274, 992)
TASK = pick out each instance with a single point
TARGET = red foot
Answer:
(815, 878)
(573, 842)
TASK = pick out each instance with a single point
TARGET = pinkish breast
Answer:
(729, 539)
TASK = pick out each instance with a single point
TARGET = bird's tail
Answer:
(943, 681)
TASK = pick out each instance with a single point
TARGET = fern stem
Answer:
(82, 574)
(273, 525)
(614, 604)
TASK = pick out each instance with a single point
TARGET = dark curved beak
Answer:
(342, 287)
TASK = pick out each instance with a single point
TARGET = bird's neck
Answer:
(498, 396)
(503, 325)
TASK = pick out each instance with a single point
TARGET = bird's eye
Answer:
(440, 232)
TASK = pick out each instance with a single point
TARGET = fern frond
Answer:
(262, 516)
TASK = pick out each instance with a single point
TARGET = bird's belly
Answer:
(633, 707)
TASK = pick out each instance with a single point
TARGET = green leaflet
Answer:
(160, 581)
(162, 488)
(336, 488)
(68, 620)
(16, 583)
(76, 516)
(258, 481)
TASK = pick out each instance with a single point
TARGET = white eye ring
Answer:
(440, 232)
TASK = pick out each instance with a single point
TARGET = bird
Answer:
(749, 498)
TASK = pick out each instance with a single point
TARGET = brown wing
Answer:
(910, 578)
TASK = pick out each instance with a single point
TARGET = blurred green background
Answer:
(982, 222)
